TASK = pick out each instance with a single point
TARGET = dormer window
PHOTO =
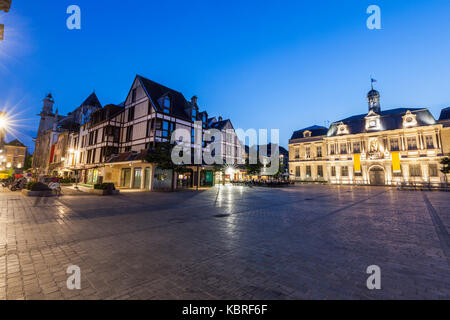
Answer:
(409, 120)
(307, 134)
(373, 121)
(343, 128)
(166, 104)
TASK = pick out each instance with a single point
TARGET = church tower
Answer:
(47, 115)
(373, 97)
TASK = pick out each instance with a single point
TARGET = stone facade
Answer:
(379, 148)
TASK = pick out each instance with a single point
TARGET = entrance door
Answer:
(377, 176)
(125, 177)
(137, 178)
(147, 178)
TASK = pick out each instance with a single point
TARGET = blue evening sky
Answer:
(263, 64)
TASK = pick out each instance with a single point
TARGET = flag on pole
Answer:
(373, 80)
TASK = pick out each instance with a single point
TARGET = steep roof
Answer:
(92, 100)
(445, 114)
(16, 143)
(316, 131)
(219, 125)
(389, 119)
(156, 91)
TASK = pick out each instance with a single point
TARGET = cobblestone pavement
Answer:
(302, 242)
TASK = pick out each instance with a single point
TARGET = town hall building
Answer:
(381, 147)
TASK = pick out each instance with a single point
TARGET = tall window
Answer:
(192, 135)
(332, 149)
(297, 171)
(343, 148)
(344, 171)
(129, 134)
(433, 170)
(394, 144)
(308, 171)
(319, 171)
(429, 142)
(297, 153)
(412, 143)
(308, 153)
(414, 170)
(333, 171)
(166, 104)
(150, 127)
(319, 152)
(131, 114)
(194, 114)
(357, 147)
(167, 128)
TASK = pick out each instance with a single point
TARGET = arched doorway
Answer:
(376, 176)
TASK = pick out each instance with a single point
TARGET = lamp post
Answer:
(5, 5)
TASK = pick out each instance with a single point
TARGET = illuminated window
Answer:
(343, 148)
(429, 142)
(433, 170)
(414, 170)
(333, 171)
(319, 171)
(394, 144)
(412, 143)
(344, 171)
(319, 152)
(166, 104)
(332, 149)
(308, 171)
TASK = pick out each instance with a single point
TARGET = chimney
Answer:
(220, 119)
(194, 100)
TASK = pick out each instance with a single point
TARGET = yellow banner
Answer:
(357, 162)
(396, 161)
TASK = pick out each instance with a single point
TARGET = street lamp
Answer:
(5, 5)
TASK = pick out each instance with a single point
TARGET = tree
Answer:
(445, 166)
(28, 162)
(161, 155)
(253, 169)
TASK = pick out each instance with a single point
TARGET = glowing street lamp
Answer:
(3, 121)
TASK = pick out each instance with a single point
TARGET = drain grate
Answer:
(221, 215)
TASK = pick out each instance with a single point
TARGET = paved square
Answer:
(302, 242)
